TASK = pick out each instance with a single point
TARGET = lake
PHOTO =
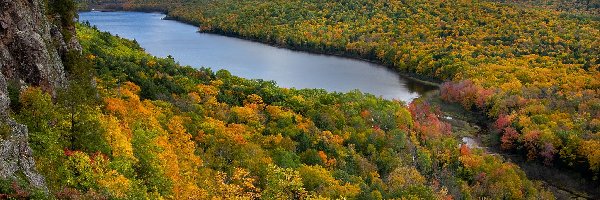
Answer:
(248, 59)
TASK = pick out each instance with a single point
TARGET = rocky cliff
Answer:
(16, 157)
(31, 47)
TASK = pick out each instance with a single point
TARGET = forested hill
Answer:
(591, 7)
(122, 124)
(533, 69)
(133, 126)
(100, 4)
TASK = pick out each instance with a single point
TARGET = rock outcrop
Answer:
(27, 50)
(16, 157)
(31, 48)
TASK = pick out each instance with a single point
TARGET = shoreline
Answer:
(426, 80)
(407, 75)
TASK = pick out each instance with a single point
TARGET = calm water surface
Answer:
(292, 69)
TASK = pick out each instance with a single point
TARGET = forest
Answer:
(106, 5)
(129, 125)
(133, 126)
(591, 7)
(530, 66)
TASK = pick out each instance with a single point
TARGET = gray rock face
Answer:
(30, 54)
(28, 50)
(4, 100)
(15, 154)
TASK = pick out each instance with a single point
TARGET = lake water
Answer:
(291, 69)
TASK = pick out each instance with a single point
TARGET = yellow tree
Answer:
(187, 161)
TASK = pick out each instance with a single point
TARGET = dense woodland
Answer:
(100, 4)
(133, 126)
(533, 69)
(591, 7)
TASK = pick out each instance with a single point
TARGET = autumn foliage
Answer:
(197, 134)
(536, 61)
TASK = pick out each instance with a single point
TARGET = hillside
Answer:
(532, 69)
(88, 115)
(587, 7)
(149, 128)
